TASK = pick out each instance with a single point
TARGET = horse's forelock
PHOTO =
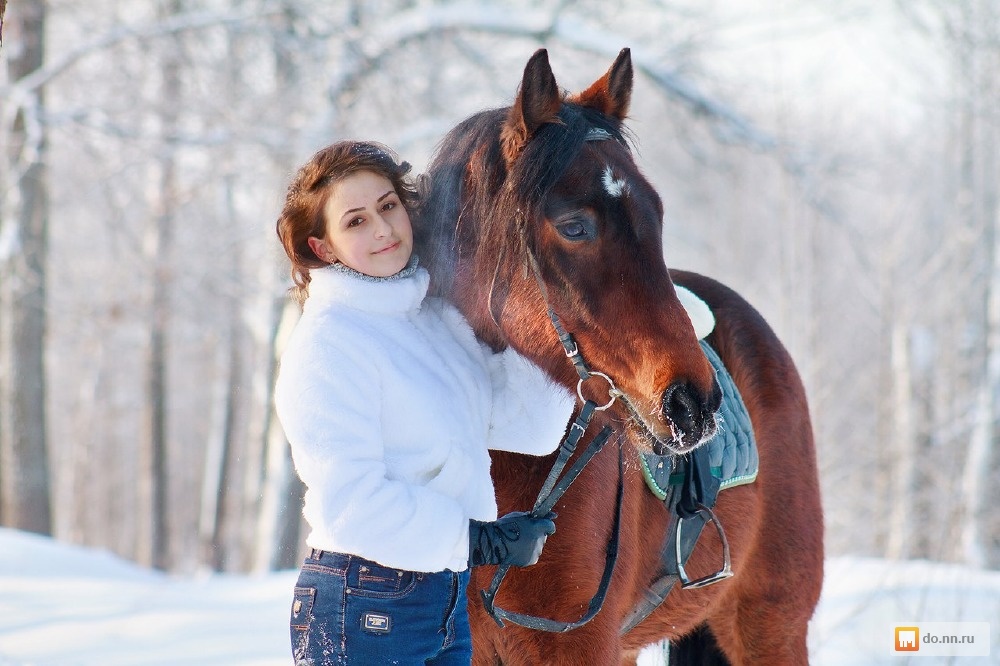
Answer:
(550, 153)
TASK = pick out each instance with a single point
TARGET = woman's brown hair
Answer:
(302, 215)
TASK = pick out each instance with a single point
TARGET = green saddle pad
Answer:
(732, 453)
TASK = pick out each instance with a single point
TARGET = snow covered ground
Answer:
(65, 606)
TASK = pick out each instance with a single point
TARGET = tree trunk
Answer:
(24, 467)
(279, 511)
(160, 258)
(234, 459)
(157, 389)
(279, 531)
(903, 445)
(978, 27)
(978, 461)
(214, 465)
(3, 10)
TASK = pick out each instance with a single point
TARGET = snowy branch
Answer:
(173, 25)
(542, 25)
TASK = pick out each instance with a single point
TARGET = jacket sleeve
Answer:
(530, 412)
(329, 404)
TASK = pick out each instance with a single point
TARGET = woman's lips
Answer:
(388, 248)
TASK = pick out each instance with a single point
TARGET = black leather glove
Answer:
(515, 539)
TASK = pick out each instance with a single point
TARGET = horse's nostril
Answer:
(682, 407)
(716, 400)
(690, 411)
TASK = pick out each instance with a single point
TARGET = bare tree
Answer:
(3, 10)
(950, 292)
(278, 529)
(976, 38)
(24, 466)
(159, 252)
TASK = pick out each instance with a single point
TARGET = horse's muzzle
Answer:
(691, 414)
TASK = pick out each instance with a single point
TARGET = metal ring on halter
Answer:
(613, 392)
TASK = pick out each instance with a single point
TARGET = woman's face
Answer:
(367, 226)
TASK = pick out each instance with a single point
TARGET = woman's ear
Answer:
(322, 249)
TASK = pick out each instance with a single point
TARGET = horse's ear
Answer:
(538, 101)
(612, 93)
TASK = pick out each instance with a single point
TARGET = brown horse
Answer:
(541, 205)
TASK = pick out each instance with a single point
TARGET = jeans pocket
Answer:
(374, 580)
(302, 613)
(302, 607)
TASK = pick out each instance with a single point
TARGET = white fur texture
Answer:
(698, 311)
(389, 403)
(613, 186)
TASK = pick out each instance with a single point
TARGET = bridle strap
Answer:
(566, 339)
(556, 484)
(566, 450)
(610, 558)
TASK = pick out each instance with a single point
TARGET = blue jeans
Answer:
(352, 611)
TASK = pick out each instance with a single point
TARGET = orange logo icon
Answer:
(907, 639)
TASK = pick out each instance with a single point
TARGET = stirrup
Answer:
(725, 572)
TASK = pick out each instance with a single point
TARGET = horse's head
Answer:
(542, 205)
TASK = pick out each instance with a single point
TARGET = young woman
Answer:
(389, 404)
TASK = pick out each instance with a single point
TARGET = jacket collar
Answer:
(338, 284)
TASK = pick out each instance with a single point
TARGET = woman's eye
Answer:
(389, 205)
(355, 222)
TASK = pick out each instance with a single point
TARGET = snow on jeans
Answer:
(352, 611)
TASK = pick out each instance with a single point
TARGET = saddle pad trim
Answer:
(676, 479)
(736, 480)
(648, 475)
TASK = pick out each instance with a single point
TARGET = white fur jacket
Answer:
(389, 403)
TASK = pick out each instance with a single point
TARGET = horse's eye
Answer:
(576, 230)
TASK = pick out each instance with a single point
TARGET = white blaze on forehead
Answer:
(613, 186)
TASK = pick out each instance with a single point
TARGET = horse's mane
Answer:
(469, 192)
